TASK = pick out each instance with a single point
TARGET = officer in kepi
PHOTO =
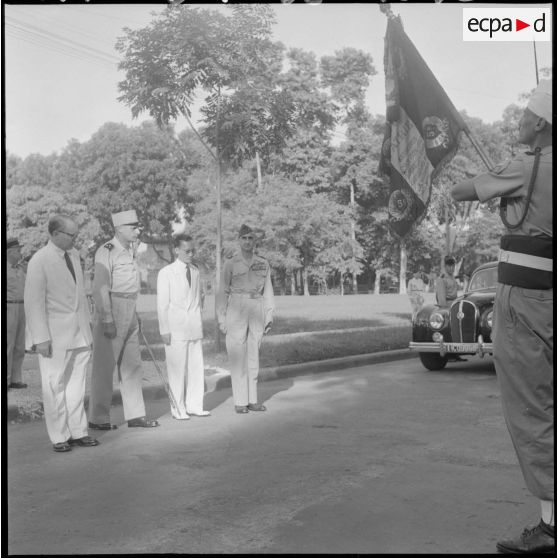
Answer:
(523, 310)
(116, 286)
(245, 313)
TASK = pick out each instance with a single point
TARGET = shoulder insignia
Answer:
(108, 245)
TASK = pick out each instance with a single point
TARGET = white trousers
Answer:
(186, 375)
(63, 382)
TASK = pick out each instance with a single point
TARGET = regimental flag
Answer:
(422, 129)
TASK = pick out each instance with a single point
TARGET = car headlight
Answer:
(436, 320)
(489, 317)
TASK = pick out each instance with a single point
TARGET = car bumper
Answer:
(443, 348)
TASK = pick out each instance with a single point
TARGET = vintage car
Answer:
(462, 329)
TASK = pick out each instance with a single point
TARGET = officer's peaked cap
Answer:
(541, 100)
(125, 218)
(11, 242)
(244, 229)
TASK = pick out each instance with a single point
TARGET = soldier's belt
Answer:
(14, 301)
(124, 295)
(525, 260)
(247, 295)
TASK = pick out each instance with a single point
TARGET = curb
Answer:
(155, 392)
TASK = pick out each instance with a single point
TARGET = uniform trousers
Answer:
(15, 338)
(245, 326)
(121, 354)
(185, 370)
(523, 349)
(417, 300)
(63, 387)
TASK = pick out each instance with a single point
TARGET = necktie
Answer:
(188, 275)
(70, 265)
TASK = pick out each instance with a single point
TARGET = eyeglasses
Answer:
(72, 236)
(247, 237)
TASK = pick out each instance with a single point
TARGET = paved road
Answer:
(388, 458)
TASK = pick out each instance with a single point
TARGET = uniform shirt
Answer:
(15, 282)
(248, 278)
(116, 271)
(511, 181)
(446, 285)
(415, 286)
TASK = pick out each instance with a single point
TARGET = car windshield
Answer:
(484, 279)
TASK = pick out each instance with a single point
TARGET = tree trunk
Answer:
(353, 239)
(377, 282)
(259, 171)
(305, 281)
(403, 267)
(293, 282)
(218, 240)
(342, 285)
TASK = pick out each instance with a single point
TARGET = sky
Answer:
(61, 71)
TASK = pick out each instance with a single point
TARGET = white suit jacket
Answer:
(179, 305)
(56, 307)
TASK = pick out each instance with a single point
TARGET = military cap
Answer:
(125, 218)
(11, 242)
(244, 229)
(449, 260)
(540, 102)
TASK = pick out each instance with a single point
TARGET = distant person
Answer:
(116, 286)
(179, 307)
(15, 314)
(446, 284)
(245, 312)
(523, 334)
(415, 290)
(58, 319)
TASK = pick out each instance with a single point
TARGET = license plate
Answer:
(462, 348)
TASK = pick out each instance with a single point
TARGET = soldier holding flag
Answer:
(523, 310)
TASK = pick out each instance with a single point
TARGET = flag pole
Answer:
(480, 149)
(536, 63)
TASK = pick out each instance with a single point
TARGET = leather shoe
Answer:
(61, 446)
(142, 422)
(256, 407)
(17, 385)
(86, 441)
(103, 426)
(540, 539)
(242, 409)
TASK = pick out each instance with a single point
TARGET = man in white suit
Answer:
(179, 307)
(58, 329)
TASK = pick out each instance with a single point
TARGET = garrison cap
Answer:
(449, 260)
(11, 242)
(244, 229)
(125, 218)
(541, 100)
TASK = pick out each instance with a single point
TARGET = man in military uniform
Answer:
(523, 310)
(15, 314)
(446, 284)
(415, 290)
(116, 344)
(245, 313)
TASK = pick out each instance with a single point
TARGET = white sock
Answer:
(547, 512)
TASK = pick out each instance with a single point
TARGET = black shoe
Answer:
(242, 409)
(17, 385)
(85, 442)
(536, 540)
(256, 407)
(61, 446)
(103, 426)
(142, 422)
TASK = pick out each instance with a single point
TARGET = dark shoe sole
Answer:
(62, 449)
(258, 408)
(106, 426)
(75, 443)
(144, 424)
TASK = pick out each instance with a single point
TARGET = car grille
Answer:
(463, 318)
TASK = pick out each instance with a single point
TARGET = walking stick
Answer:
(161, 375)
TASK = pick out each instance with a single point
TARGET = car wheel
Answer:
(432, 361)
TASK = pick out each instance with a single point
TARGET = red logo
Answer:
(519, 25)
